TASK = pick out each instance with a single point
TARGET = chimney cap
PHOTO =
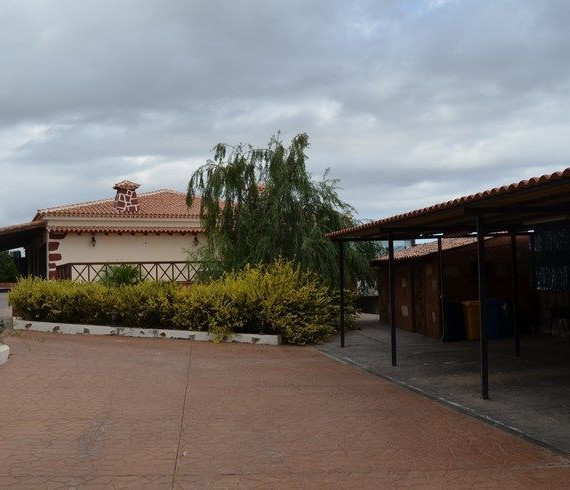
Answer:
(127, 185)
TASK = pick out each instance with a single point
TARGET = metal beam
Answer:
(421, 233)
(341, 290)
(392, 293)
(524, 231)
(552, 209)
(482, 307)
(440, 284)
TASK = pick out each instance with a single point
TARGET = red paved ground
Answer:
(78, 411)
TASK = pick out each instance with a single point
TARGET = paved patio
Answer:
(80, 411)
(529, 395)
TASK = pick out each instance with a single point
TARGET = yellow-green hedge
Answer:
(277, 299)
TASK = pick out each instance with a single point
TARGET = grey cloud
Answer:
(407, 102)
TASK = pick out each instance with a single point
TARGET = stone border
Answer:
(4, 353)
(73, 328)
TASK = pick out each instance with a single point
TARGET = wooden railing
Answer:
(158, 271)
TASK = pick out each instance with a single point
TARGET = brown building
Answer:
(536, 209)
(418, 287)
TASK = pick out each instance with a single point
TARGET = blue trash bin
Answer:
(495, 319)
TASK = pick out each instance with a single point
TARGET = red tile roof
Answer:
(425, 249)
(123, 229)
(157, 204)
(461, 201)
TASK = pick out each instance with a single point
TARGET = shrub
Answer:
(121, 275)
(278, 298)
(297, 306)
(210, 307)
(8, 270)
(62, 301)
(149, 304)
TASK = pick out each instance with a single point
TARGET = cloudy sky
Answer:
(408, 102)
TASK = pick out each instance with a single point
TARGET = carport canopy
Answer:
(517, 208)
(21, 235)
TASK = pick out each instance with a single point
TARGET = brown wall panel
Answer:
(459, 284)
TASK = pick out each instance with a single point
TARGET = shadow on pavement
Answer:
(529, 396)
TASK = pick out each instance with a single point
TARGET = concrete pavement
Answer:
(111, 412)
(529, 395)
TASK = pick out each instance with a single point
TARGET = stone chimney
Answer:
(126, 200)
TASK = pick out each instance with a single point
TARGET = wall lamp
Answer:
(196, 241)
(93, 240)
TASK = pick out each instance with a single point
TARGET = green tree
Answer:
(8, 270)
(259, 204)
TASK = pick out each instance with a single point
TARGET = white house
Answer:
(153, 230)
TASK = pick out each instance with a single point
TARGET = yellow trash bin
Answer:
(471, 319)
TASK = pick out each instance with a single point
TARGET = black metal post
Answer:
(440, 284)
(515, 296)
(482, 306)
(341, 292)
(533, 272)
(392, 293)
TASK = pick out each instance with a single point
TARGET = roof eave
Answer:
(448, 217)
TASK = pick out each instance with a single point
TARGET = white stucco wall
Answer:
(73, 248)
(125, 248)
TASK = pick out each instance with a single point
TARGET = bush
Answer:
(63, 301)
(278, 299)
(121, 275)
(8, 270)
(149, 304)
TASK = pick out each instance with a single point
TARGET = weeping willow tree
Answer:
(259, 204)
